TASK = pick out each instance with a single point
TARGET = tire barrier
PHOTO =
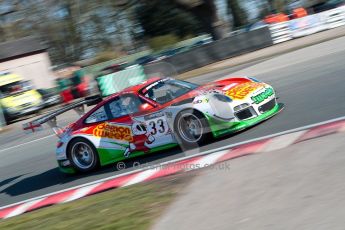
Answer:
(280, 32)
(334, 18)
(308, 25)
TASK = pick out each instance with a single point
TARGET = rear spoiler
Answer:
(50, 118)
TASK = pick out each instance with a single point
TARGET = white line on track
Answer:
(179, 159)
(29, 142)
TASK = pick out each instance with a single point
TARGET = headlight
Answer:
(223, 98)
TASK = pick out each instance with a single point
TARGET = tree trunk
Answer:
(206, 13)
(238, 14)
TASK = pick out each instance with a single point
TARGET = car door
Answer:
(132, 128)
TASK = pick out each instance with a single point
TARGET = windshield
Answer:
(167, 90)
(14, 88)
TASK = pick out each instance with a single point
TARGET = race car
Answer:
(155, 115)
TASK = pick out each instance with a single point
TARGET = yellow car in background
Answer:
(18, 97)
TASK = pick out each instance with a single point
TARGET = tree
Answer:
(277, 5)
(239, 15)
(206, 13)
(161, 19)
(72, 29)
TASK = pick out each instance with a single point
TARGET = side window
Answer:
(97, 116)
(117, 109)
(124, 105)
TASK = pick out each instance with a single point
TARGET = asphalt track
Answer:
(310, 82)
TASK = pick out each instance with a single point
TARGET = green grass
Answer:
(133, 207)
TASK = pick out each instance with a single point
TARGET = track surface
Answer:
(309, 81)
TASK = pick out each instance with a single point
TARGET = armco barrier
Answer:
(218, 50)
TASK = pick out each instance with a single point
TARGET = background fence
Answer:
(226, 48)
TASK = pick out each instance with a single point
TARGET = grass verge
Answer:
(133, 207)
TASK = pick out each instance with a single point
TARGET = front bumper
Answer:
(65, 168)
(220, 128)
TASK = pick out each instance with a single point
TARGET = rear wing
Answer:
(50, 118)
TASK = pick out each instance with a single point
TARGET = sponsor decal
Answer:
(141, 138)
(243, 90)
(118, 132)
(262, 96)
(154, 115)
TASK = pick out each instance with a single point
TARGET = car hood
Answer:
(235, 88)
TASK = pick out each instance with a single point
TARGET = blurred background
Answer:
(75, 30)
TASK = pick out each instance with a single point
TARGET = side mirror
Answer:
(145, 107)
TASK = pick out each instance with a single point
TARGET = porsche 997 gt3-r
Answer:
(160, 114)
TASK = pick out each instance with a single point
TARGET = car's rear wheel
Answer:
(83, 155)
(191, 128)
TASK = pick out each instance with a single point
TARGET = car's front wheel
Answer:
(83, 155)
(191, 128)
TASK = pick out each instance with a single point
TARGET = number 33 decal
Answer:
(157, 126)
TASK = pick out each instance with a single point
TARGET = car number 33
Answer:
(157, 127)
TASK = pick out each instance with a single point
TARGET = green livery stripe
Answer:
(108, 156)
(68, 170)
